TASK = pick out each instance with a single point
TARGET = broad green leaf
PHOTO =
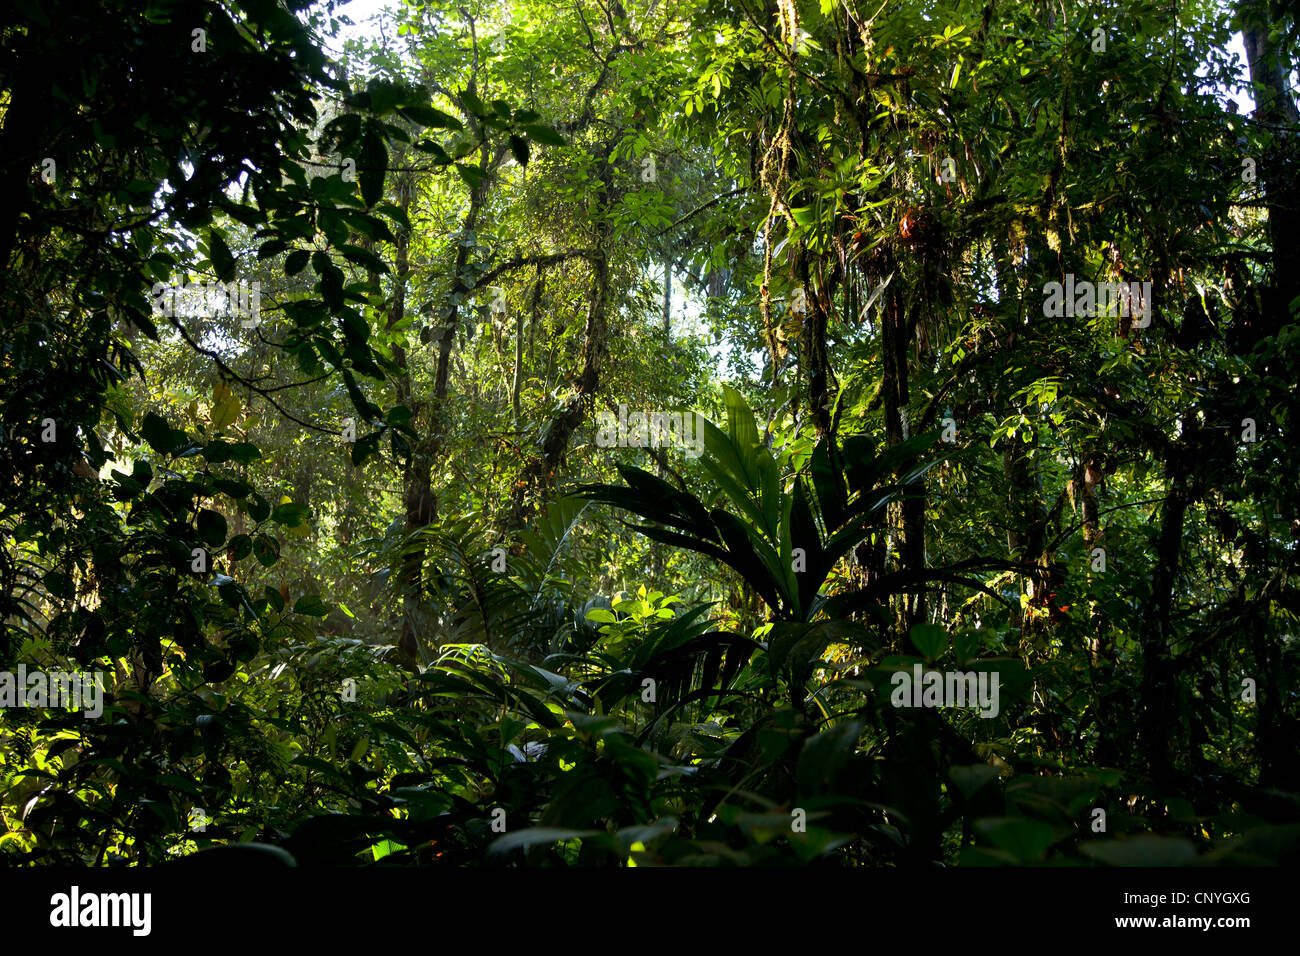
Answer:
(930, 639)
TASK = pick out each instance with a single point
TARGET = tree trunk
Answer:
(909, 514)
(417, 492)
(1274, 106)
(20, 142)
(1157, 695)
(668, 297)
(813, 355)
(539, 470)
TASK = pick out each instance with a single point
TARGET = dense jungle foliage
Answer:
(338, 362)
